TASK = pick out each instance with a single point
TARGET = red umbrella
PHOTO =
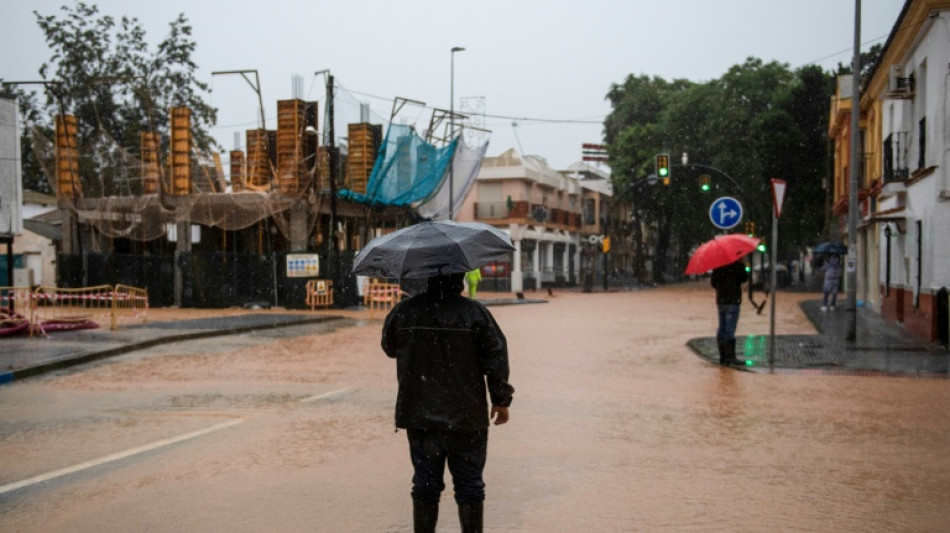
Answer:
(721, 251)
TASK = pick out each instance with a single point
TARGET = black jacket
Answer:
(446, 347)
(728, 280)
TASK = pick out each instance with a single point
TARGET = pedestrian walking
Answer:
(728, 280)
(449, 354)
(473, 277)
(832, 272)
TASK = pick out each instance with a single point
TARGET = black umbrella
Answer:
(833, 248)
(431, 249)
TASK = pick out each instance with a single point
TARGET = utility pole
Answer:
(854, 174)
(332, 254)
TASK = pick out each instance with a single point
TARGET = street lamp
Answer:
(451, 131)
(255, 85)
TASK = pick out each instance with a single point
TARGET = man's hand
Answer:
(499, 414)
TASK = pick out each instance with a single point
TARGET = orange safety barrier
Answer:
(319, 293)
(382, 296)
(16, 309)
(55, 305)
(131, 302)
(17, 300)
(73, 308)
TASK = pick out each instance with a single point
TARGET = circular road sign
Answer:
(725, 212)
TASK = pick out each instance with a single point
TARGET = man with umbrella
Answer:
(728, 280)
(723, 256)
(450, 354)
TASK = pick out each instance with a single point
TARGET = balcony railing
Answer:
(895, 157)
(528, 212)
(491, 210)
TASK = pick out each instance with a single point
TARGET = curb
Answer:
(10, 376)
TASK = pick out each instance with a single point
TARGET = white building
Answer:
(906, 211)
(546, 214)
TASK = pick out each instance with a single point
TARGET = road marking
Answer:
(316, 397)
(115, 457)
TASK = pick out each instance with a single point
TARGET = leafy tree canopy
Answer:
(758, 121)
(104, 72)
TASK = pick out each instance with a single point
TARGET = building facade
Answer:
(903, 253)
(548, 215)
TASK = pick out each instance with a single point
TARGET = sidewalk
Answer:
(23, 356)
(880, 349)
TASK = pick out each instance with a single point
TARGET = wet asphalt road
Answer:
(616, 426)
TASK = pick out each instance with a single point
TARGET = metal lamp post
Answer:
(854, 173)
(451, 131)
(255, 85)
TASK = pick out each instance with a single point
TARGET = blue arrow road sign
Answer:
(725, 212)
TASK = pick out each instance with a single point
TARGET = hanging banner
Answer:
(303, 265)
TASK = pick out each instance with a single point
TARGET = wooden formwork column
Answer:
(322, 170)
(291, 169)
(238, 172)
(67, 157)
(150, 167)
(181, 151)
(258, 160)
(364, 139)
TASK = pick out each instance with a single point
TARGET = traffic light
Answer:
(605, 246)
(663, 168)
(750, 228)
(704, 182)
(761, 246)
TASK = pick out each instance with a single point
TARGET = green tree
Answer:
(109, 78)
(758, 121)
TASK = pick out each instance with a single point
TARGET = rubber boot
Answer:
(731, 353)
(470, 516)
(728, 354)
(722, 351)
(424, 516)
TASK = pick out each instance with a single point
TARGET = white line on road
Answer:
(316, 397)
(115, 457)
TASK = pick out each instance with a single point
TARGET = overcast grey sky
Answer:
(528, 59)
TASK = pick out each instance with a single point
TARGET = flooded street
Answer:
(616, 426)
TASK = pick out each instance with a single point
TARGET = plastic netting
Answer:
(407, 169)
(114, 201)
(465, 166)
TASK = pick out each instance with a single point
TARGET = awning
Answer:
(892, 215)
(897, 215)
(50, 231)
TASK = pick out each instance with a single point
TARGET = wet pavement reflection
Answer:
(616, 425)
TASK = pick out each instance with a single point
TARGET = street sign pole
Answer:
(778, 197)
(772, 287)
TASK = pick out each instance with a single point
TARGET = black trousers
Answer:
(464, 451)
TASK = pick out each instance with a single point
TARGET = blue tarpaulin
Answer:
(407, 169)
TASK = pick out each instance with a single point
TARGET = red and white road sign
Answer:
(778, 196)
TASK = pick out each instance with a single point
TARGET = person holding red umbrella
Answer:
(723, 255)
(728, 280)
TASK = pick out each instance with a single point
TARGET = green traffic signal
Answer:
(663, 166)
(761, 247)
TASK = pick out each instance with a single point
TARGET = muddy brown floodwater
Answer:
(616, 426)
